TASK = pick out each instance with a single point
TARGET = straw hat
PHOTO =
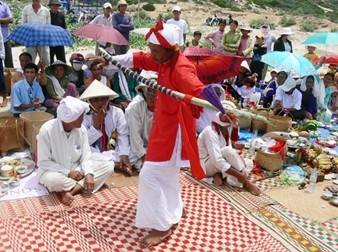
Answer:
(49, 69)
(54, 2)
(97, 89)
(286, 31)
(245, 27)
(121, 2)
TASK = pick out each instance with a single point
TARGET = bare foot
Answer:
(4, 103)
(155, 237)
(252, 188)
(218, 180)
(184, 213)
(67, 198)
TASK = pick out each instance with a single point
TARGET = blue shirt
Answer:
(123, 24)
(5, 13)
(22, 93)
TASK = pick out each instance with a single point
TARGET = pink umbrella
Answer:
(101, 33)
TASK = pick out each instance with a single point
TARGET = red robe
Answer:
(178, 74)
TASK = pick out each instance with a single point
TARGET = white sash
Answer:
(57, 87)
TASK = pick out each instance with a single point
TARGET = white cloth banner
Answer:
(29, 187)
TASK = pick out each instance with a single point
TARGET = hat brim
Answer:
(286, 88)
(97, 89)
(49, 69)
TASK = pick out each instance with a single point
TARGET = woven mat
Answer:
(308, 205)
(105, 222)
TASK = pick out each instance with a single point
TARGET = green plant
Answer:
(307, 26)
(148, 7)
(334, 29)
(257, 23)
(286, 22)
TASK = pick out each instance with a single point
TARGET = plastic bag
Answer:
(292, 175)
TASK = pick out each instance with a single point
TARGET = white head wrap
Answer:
(170, 32)
(71, 108)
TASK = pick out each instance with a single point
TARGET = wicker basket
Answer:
(271, 162)
(259, 125)
(279, 123)
(30, 118)
(11, 133)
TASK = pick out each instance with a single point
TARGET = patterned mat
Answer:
(299, 233)
(105, 222)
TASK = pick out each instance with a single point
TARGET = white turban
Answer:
(170, 32)
(70, 109)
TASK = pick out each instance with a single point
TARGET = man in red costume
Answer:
(172, 141)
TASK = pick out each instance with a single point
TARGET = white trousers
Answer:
(235, 160)
(159, 203)
(42, 51)
(58, 182)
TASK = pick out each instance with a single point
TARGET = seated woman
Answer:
(58, 85)
(309, 88)
(243, 85)
(220, 160)
(270, 91)
(124, 86)
(96, 70)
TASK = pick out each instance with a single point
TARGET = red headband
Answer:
(159, 36)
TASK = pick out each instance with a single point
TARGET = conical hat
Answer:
(97, 89)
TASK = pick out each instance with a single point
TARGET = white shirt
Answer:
(114, 120)
(209, 143)
(183, 29)
(293, 100)
(139, 120)
(61, 153)
(29, 15)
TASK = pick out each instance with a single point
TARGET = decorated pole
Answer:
(176, 94)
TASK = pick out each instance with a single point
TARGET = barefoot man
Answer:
(64, 156)
(217, 149)
(160, 204)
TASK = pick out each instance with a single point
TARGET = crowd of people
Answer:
(105, 120)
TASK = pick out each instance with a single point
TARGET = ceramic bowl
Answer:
(3, 187)
(6, 170)
(14, 181)
(334, 200)
(21, 169)
(327, 195)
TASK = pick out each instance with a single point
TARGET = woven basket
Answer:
(11, 133)
(245, 123)
(271, 162)
(30, 118)
(259, 125)
(279, 123)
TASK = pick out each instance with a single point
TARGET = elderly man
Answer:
(64, 154)
(174, 124)
(108, 132)
(106, 20)
(288, 100)
(139, 117)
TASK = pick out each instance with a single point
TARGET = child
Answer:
(195, 42)
(311, 55)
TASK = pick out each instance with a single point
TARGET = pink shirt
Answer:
(216, 38)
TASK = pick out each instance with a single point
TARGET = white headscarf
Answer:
(170, 32)
(318, 90)
(71, 108)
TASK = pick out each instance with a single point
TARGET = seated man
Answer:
(139, 117)
(27, 94)
(220, 160)
(64, 154)
(288, 100)
(108, 132)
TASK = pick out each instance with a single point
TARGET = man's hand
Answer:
(98, 118)
(230, 117)
(37, 102)
(76, 175)
(125, 165)
(89, 183)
